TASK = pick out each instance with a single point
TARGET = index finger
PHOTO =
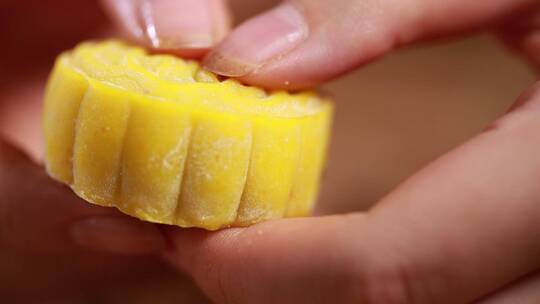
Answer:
(301, 43)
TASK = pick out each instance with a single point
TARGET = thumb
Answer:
(464, 226)
(300, 42)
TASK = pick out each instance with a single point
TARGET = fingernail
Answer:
(170, 24)
(117, 234)
(258, 41)
(124, 13)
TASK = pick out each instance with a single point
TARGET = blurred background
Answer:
(392, 116)
(398, 114)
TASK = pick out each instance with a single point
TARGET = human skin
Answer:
(54, 247)
(463, 229)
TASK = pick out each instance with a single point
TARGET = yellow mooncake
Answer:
(163, 140)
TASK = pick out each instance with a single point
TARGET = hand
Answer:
(464, 228)
(55, 248)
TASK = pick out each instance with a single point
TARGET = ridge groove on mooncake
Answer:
(166, 141)
(176, 218)
(74, 137)
(243, 193)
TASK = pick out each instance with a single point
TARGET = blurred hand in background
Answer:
(459, 230)
(55, 248)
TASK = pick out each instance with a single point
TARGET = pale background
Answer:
(402, 112)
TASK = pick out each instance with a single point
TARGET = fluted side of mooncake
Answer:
(165, 141)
